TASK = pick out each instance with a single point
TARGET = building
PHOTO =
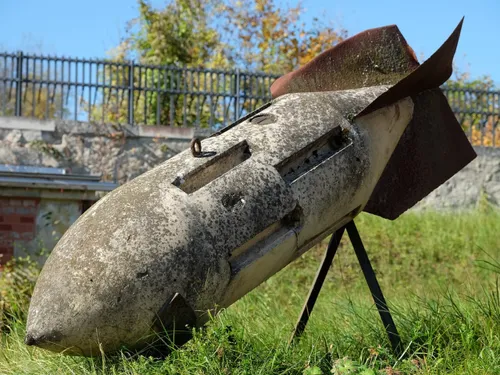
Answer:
(38, 204)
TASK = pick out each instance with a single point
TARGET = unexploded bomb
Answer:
(361, 127)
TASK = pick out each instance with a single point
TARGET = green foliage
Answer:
(38, 101)
(179, 34)
(247, 34)
(17, 281)
(255, 35)
(440, 274)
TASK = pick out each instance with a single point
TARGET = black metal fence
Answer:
(103, 91)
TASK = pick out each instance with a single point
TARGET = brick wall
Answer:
(17, 224)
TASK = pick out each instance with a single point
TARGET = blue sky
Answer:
(90, 28)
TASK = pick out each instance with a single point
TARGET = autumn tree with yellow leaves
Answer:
(249, 35)
(272, 39)
(477, 107)
(190, 36)
(38, 100)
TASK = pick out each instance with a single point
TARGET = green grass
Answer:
(440, 276)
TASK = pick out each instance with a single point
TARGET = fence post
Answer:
(19, 79)
(237, 96)
(131, 94)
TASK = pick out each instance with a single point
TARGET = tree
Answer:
(251, 35)
(176, 36)
(38, 100)
(245, 36)
(273, 39)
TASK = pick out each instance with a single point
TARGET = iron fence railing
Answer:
(104, 91)
(479, 113)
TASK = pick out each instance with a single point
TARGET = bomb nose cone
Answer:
(30, 340)
(49, 340)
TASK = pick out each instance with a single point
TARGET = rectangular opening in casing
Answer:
(214, 168)
(313, 154)
(264, 240)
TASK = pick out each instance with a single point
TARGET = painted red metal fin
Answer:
(379, 56)
(433, 147)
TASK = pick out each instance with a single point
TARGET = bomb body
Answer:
(209, 229)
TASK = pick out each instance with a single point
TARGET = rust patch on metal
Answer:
(379, 56)
(431, 74)
(195, 147)
(433, 147)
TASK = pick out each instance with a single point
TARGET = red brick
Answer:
(6, 243)
(18, 221)
(12, 219)
(6, 250)
(21, 228)
(4, 258)
(28, 219)
(30, 203)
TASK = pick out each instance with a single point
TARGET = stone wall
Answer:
(118, 153)
(122, 153)
(478, 181)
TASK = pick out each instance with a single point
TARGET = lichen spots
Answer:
(375, 57)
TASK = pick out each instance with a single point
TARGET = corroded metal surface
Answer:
(379, 56)
(433, 147)
(431, 74)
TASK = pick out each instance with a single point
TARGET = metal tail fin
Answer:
(433, 147)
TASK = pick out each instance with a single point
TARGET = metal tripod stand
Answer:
(370, 277)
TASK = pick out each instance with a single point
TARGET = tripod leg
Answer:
(317, 284)
(374, 286)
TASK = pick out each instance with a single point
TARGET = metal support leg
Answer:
(317, 284)
(371, 280)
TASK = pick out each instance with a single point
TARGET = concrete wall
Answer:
(35, 220)
(122, 153)
(480, 180)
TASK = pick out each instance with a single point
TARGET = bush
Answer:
(17, 282)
